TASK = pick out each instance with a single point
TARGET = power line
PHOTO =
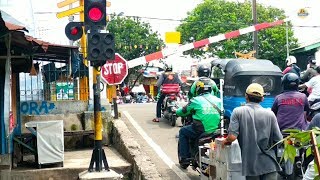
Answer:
(220, 23)
(307, 26)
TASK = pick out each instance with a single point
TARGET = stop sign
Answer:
(115, 71)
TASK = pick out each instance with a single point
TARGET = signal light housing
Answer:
(95, 13)
(101, 48)
(73, 30)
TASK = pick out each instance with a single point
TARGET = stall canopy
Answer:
(26, 49)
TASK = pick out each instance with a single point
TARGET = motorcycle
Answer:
(169, 104)
(291, 170)
(196, 145)
(128, 99)
(196, 154)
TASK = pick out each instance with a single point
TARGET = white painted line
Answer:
(156, 148)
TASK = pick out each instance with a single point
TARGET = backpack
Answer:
(295, 69)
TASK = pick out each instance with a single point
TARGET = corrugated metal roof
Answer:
(11, 23)
(14, 27)
(307, 47)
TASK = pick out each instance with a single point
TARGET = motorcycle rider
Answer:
(291, 106)
(203, 74)
(205, 110)
(314, 84)
(291, 66)
(168, 77)
(311, 70)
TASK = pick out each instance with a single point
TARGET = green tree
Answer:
(133, 39)
(213, 17)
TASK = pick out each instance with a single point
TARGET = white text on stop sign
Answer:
(114, 68)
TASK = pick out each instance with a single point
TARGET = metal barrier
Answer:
(54, 81)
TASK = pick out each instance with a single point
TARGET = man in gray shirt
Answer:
(256, 129)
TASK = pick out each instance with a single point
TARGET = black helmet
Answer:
(203, 85)
(204, 71)
(290, 81)
(312, 60)
(168, 68)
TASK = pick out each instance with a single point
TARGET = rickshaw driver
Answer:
(168, 77)
(204, 73)
(291, 106)
(204, 108)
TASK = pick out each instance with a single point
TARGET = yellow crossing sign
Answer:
(69, 12)
(73, 10)
(66, 3)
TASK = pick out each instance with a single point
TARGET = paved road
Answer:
(158, 139)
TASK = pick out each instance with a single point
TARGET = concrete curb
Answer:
(129, 148)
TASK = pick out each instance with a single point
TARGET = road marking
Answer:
(156, 148)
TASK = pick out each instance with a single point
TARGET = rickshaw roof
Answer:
(234, 67)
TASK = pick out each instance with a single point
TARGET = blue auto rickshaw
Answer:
(239, 73)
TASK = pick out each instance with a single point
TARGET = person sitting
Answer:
(291, 106)
(291, 66)
(205, 109)
(168, 77)
(314, 84)
(310, 173)
(311, 70)
(204, 74)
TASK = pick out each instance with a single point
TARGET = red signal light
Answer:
(95, 14)
(74, 31)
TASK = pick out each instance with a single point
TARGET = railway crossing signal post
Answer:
(100, 49)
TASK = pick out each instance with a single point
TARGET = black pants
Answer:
(160, 101)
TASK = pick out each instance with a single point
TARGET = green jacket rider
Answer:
(204, 73)
(202, 109)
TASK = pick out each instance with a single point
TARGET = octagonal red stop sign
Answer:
(115, 71)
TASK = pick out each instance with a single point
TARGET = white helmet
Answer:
(291, 60)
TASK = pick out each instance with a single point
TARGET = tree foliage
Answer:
(133, 39)
(214, 17)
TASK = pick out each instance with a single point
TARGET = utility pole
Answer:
(255, 33)
(70, 18)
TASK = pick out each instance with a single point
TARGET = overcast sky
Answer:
(53, 28)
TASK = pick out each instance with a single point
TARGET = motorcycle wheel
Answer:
(173, 120)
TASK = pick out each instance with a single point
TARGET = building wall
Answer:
(69, 111)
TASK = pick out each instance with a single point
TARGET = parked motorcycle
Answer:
(128, 99)
(169, 104)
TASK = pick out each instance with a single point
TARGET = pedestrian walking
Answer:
(257, 130)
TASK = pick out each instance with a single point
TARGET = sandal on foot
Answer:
(155, 120)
